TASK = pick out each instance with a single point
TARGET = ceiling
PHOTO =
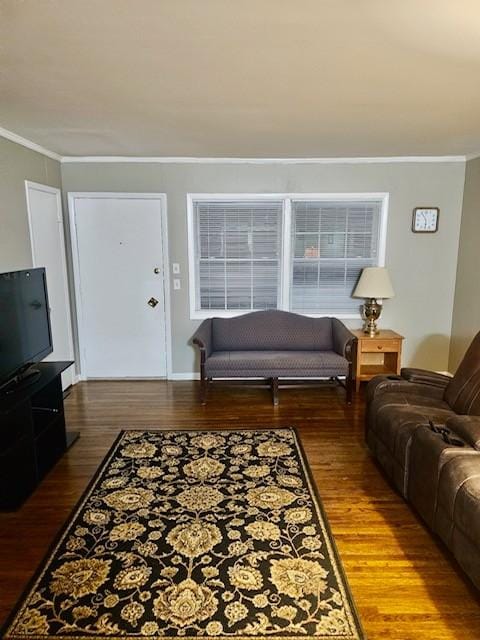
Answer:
(243, 78)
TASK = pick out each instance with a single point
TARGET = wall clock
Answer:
(425, 219)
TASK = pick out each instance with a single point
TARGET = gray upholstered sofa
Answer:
(272, 345)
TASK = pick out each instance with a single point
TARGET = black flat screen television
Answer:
(25, 331)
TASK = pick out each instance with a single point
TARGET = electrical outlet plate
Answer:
(176, 268)
(176, 284)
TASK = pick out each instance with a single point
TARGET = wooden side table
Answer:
(379, 355)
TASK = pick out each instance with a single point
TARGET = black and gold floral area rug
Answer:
(212, 534)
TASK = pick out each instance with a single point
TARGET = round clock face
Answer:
(425, 220)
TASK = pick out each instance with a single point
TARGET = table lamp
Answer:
(374, 283)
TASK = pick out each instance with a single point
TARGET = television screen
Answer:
(25, 332)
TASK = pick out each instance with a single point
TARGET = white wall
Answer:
(466, 312)
(17, 164)
(422, 268)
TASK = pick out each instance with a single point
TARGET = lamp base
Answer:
(371, 311)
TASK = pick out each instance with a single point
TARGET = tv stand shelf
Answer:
(32, 433)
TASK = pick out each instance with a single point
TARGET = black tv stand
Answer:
(32, 432)
(23, 379)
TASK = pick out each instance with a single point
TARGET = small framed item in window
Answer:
(425, 219)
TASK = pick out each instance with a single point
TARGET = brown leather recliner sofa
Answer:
(424, 430)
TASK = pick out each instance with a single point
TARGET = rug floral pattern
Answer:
(188, 533)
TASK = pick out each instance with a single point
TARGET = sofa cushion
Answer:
(271, 331)
(392, 419)
(275, 363)
(391, 409)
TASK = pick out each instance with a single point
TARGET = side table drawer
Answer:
(380, 346)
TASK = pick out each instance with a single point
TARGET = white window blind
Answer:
(331, 243)
(237, 254)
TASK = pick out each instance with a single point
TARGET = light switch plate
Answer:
(176, 268)
(176, 284)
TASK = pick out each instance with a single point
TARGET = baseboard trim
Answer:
(196, 376)
(184, 376)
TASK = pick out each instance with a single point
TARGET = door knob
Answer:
(153, 302)
(156, 270)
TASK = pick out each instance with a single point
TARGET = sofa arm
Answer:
(467, 427)
(202, 337)
(422, 376)
(343, 339)
(397, 384)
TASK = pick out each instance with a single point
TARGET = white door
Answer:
(118, 259)
(47, 239)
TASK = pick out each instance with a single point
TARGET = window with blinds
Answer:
(238, 248)
(331, 243)
(304, 255)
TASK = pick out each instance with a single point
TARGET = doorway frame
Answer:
(72, 197)
(30, 184)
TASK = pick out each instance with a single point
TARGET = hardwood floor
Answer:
(405, 584)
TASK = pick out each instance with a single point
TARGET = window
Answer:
(300, 253)
(238, 254)
(332, 242)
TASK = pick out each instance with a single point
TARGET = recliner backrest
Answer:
(272, 330)
(463, 392)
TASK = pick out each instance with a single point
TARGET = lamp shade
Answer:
(374, 283)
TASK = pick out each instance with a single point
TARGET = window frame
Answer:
(286, 244)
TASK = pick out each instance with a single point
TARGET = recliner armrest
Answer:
(423, 376)
(396, 384)
(467, 427)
